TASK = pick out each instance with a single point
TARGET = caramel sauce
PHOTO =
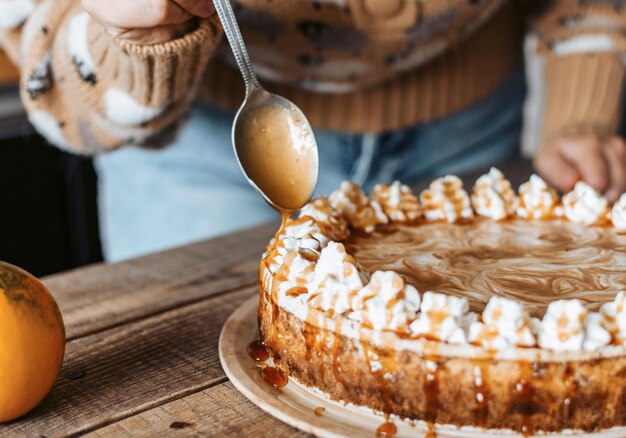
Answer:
(309, 342)
(318, 411)
(296, 291)
(277, 149)
(386, 429)
(336, 367)
(257, 351)
(309, 255)
(430, 433)
(274, 377)
(431, 391)
(525, 405)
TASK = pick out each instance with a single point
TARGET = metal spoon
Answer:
(273, 140)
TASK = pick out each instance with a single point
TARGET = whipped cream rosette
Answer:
(537, 200)
(397, 201)
(446, 200)
(443, 318)
(504, 324)
(387, 303)
(327, 218)
(613, 318)
(493, 196)
(302, 234)
(618, 213)
(567, 325)
(585, 205)
(336, 280)
(360, 212)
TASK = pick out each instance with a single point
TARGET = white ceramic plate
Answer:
(295, 404)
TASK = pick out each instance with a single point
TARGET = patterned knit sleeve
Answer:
(88, 92)
(575, 56)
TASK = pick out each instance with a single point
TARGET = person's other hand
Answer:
(600, 162)
(148, 21)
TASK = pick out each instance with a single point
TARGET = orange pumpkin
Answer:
(32, 341)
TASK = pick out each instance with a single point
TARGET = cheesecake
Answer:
(493, 309)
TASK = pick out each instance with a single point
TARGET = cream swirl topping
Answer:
(356, 207)
(493, 196)
(618, 213)
(505, 324)
(446, 200)
(397, 201)
(537, 200)
(584, 205)
(387, 302)
(532, 263)
(443, 318)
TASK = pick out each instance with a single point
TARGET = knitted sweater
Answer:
(351, 65)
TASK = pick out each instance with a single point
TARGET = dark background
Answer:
(48, 214)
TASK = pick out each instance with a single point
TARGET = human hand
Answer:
(600, 162)
(148, 21)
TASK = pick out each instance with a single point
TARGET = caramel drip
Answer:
(309, 342)
(265, 263)
(532, 262)
(336, 366)
(274, 377)
(257, 351)
(431, 391)
(321, 350)
(387, 429)
(318, 411)
(525, 405)
(481, 393)
(431, 430)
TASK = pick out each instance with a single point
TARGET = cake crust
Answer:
(522, 395)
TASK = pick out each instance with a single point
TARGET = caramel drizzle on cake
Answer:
(335, 270)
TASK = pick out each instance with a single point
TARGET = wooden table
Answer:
(141, 355)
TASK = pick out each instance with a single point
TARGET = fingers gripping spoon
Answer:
(273, 140)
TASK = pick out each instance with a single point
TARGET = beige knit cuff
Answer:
(158, 74)
(583, 94)
(122, 93)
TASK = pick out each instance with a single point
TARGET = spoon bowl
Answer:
(273, 141)
(276, 149)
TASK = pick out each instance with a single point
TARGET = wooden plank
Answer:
(117, 373)
(103, 296)
(217, 411)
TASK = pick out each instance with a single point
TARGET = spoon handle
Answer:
(233, 34)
